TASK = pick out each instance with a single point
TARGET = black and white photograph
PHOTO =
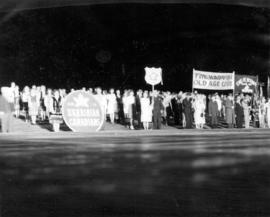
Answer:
(134, 108)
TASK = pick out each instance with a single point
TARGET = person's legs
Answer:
(246, 120)
(131, 124)
(33, 117)
(112, 118)
(9, 122)
(155, 121)
(1, 122)
(188, 121)
(213, 121)
(216, 121)
(144, 125)
(158, 122)
(4, 123)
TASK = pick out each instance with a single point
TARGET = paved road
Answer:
(158, 173)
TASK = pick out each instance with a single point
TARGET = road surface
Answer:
(135, 173)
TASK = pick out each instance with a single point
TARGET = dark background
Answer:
(109, 45)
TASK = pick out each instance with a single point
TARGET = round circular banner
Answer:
(82, 112)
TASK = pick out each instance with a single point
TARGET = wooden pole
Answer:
(192, 81)
(233, 85)
(153, 89)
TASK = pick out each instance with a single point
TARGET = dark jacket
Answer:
(187, 106)
(213, 108)
(158, 106)
(239, 111)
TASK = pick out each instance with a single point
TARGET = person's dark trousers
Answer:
(169, 113)
(176, 115)
(180, 115)
(139, 126)
(230, 125)
(214, 121)
(188, 120)
(156, 121)
(239, 122)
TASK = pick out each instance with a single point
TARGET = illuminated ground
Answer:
(136, 173)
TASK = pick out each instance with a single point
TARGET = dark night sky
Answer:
(59, 46)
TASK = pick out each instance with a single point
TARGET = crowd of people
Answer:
(141, 109)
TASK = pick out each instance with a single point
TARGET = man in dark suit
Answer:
(187, 108)
(157, 110)
(213, 111)
(239, 113)
(138, 109)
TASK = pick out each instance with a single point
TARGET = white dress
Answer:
(146, 110)
(199, 108)
(267, 105)
(112, 104)
(125, 105)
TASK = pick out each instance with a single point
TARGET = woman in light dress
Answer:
(48, 102)
(33, 104)
(128, 103)
(112, 105)
(199, 111)
(146, 111)
(246, 108)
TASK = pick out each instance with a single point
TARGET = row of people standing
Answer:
(139, 109)
(252, 110)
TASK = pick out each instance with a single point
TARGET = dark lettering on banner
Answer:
(82, 112)
(213, 80)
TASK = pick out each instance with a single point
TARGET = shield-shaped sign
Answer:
(153, 75)
(82, 112)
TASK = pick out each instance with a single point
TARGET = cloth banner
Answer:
(246, 84)
(213, 80)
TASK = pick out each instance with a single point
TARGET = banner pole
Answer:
(233, 85)
(153, 89)
(192, 80)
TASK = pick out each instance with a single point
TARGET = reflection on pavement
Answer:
(131, 176)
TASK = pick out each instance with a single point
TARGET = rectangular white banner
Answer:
(213, 80)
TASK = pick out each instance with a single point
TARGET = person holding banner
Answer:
(157, 110)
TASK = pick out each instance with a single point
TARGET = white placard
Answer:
(213, 80)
